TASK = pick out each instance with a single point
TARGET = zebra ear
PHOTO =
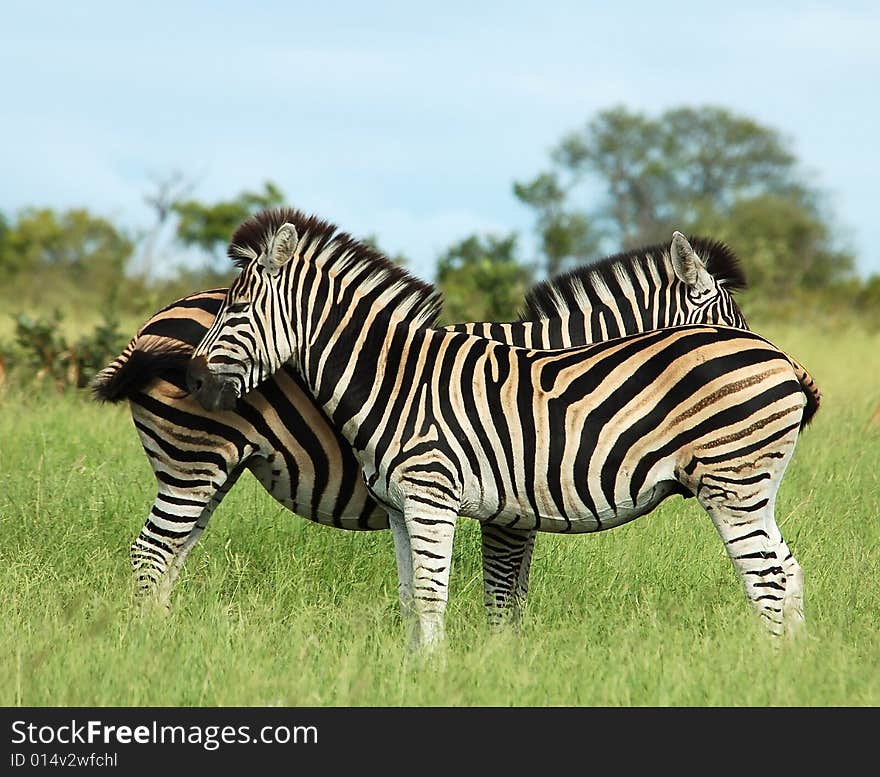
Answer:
(687, 265)
(280, 249)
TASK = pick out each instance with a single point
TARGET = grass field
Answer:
(271, 610)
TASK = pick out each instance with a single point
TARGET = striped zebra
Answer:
(293, 451)
(278, 433)
(448, 423)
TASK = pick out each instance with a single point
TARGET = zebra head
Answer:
(706, 301)
(249, 340)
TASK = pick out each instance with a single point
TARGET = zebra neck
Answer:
(359, 367)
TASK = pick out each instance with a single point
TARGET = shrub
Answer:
(43, 354)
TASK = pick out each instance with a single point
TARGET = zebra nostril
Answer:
(197, 384)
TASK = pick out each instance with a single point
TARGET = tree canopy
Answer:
(72, 241)
(627, 179)
(482, 279)
(209, 226)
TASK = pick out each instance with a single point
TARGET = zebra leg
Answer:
(403, 553)
(174, 565)
(431, 529)
(174, 525)
(762, 560)
(507, 555)
(793, 604)
(177, 561)
(522, 579)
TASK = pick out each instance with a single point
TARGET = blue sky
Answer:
(411, 121)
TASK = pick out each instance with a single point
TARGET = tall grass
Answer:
(272, 610)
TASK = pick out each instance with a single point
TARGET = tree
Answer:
(68, 259)
(482, 279)
(87, 249)
(210, 227)
(7, 260)
(167, 191)
(564, 236)
(692, 169)
(785, 242)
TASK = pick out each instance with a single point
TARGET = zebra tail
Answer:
(811, 391)
(136, 366)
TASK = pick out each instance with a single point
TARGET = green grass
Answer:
(271, 610)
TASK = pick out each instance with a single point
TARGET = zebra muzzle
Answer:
(211, 391)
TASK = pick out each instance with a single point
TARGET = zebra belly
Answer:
(520, 517)
(275, 478)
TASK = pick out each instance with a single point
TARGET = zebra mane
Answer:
(564, 293)
(321, 243)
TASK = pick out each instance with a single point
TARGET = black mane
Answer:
(253, 235)
(549, 297)
(323, 239)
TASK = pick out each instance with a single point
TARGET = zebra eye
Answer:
(237, 307)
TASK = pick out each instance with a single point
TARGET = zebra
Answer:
(293, 451)
(658, 285)
(447, 423)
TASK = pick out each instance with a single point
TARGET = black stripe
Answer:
(733, 455)
(746, 481)
(186, 330)
(199, 456)
(169, 533)
(752, 508)
(629, 321)
(176, 500)
(499, 411)
(430, 484)
(755, 533)
(525, 409)
(190, 423)
(170, 480)
(728, 417)
(472, 413)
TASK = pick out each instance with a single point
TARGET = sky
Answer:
(412, 121)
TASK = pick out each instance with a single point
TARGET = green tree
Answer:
(7, 261)
(565, 237)
(482, 279)
(627, 179)
(72, 246)
(785, 243)
(210, 226)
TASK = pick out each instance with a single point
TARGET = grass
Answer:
(271, 610)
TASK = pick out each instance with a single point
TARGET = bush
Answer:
(43, 354)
